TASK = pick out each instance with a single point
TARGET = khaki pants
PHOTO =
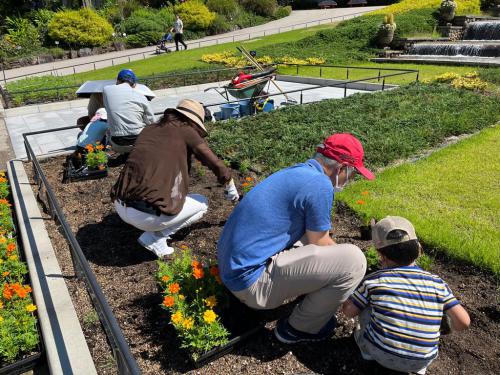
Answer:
(327, 275)
(121, 149)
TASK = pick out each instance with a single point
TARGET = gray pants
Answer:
(371, 352)
(327, 275)
(121, 149)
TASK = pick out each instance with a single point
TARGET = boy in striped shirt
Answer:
(401, 306)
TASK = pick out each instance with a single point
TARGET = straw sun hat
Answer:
(194, 111)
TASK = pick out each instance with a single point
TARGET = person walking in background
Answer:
(179, 32)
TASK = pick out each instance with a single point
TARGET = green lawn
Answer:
(452, 198)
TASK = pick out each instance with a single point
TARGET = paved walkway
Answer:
(297, 20)
(63, 141)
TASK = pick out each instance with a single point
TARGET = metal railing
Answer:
(200, 43)
(125, 361)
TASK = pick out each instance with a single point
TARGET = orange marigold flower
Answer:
(218, 279)
(174, 288)
(6, 273)
(8, 292)
(245, 184)
(195, 264)
(4, 201)
(184, 247)
(168, 301)
(27, 288)
(249, 179)
(365, 192)
(360, 201)
(214, 271)
(165, 278)
(89, 148)
(2, 180)
(198, 273)
(11, 247)
(22, 292)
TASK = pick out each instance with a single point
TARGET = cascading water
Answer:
(482, 30)
(456, 49)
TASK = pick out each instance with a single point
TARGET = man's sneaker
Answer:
(285, 333)
(156, 244)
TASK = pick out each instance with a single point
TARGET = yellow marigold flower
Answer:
(209, 316)
(176, 318)
(182, 297)
(188, 323)
(1, 319)
(211, 301)
(3, 239)
(6, 273)
(13, 257)
(1, 305)
(2, 174)
(30, 308)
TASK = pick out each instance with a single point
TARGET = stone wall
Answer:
(451, 32)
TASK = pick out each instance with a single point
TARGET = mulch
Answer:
(126, 273)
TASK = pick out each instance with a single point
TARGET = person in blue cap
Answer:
(128, 111)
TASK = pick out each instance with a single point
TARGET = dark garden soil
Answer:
(126, 272)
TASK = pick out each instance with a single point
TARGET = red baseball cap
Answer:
(346, 149)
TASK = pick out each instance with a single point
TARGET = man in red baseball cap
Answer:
(276, 244)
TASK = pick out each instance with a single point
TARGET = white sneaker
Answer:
(156, 244)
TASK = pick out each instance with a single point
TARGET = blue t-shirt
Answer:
(272, 217)
(93, 132)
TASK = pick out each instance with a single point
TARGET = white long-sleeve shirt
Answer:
(178, 26)
(128, 111)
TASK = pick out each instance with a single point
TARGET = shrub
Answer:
(372, 258)
(80, 28)
(195, 15)
(282, 12)
(146, 20)
(463, 6)
(248, 19)
(41, 18)
(144, 39)
(219, 25)
(265, 8)
(228, 8)
(22, 33)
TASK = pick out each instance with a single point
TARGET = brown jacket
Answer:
(157, 170)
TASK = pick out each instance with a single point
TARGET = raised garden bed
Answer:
(127, 274)
(20, 344)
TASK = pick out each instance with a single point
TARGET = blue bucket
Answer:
(245, 107)
(230, 110)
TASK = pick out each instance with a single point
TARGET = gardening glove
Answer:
(230, 192)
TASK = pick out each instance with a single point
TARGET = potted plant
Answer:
(90, 164)
(208, 320)
(447, 10)
(385, 33)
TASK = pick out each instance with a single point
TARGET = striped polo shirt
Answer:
(407, 306)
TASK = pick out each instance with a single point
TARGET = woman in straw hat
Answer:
(152, 190)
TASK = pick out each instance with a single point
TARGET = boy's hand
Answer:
(350, 309)
(460, 319)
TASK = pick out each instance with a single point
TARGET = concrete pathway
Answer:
(25, 119)
(297, 20)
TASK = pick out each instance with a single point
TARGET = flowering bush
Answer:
(195, 15)
(463, 6)
(468, 81)
(18, 332)
(194, 296)
(247, 185)
(230, 59)
(96, 158)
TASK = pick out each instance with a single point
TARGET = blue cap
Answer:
(126, 75)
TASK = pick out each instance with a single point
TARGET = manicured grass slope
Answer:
(392, 125)
(451, 197)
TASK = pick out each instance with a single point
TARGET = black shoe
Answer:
(285, 333)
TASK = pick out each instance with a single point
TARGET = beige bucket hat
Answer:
(194, 111)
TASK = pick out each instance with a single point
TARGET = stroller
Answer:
(162, 44)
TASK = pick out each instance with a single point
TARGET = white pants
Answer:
(194, 208)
